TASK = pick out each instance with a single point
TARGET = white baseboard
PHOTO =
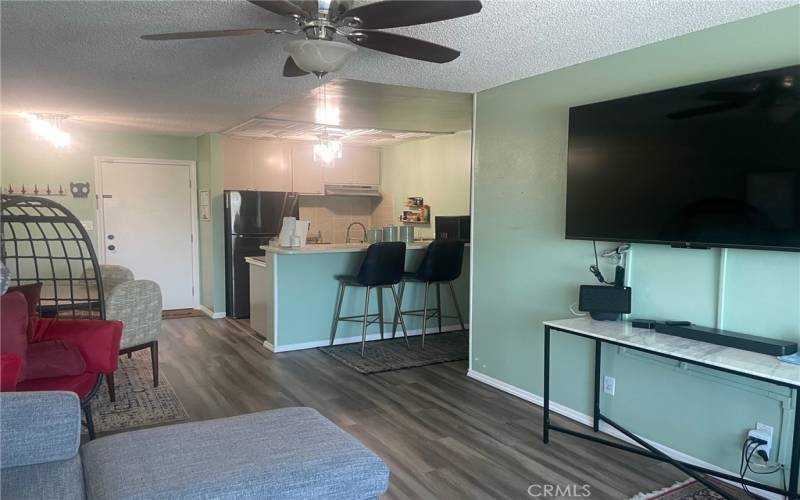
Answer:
(355, 338)
(208, 312)
(587, 420)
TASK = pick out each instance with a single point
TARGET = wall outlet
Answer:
(763, 432)
(609, 385)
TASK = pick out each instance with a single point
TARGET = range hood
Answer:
(352, 190)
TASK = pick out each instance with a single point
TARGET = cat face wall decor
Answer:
(79, 189)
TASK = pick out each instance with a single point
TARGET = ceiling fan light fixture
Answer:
(320, 56)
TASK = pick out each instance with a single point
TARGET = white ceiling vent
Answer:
(268, 128)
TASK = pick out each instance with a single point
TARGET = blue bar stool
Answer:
(441, 264)
(383, 267)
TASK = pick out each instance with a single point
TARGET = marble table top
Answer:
(737, 360)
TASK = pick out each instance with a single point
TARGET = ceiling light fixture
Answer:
(48, 127)
(319, 56)
(327, 149)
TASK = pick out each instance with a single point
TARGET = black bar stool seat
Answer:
(382, 267)
(441, 264)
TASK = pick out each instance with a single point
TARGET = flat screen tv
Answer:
(716, 164)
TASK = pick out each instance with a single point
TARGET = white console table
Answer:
(744, 363)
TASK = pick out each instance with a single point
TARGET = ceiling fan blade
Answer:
(394, 13)
(281, 7)
(210, 34)
(404, 46)
(290, 68)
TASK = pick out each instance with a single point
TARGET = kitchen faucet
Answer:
(363, 227)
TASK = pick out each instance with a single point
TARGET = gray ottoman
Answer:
(287, 453)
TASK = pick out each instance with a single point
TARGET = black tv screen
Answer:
(712, 164)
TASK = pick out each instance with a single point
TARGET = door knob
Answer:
(112, 247)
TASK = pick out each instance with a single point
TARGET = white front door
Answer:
(147, 225)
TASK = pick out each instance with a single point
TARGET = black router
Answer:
(762, 345)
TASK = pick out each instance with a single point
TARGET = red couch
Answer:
(52, 354)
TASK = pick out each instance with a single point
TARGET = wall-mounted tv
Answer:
(716, 164)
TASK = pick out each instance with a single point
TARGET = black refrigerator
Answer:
(252, 218)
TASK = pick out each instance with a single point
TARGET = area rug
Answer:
(392, 354)
(138, 403)
(692, 490)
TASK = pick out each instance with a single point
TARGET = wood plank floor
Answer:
(442, 434)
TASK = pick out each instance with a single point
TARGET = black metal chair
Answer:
(441, 264)
(383, 267)
(43, 242)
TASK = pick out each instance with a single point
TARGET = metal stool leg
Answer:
(337, 311)
(400, 315)
(380, 308)
(455, 303)
(425, 313)
(396, 314)
(87, 411)
(366, 315)
(439, 305)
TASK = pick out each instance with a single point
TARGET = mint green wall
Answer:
(436, 168)
(212, 242)
(30, 160)
(526, 272)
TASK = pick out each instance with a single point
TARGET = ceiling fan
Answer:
(321, 20)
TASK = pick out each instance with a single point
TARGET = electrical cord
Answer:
(595, 269)
(744, 464)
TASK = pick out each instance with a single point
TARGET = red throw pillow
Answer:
(32, 292)
(53, 358)
(10, 367)
(14, 326)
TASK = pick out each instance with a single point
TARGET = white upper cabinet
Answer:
(356, 166)
(306, 173)
(272, 166)
(365, 164)
(284, 166)
(237, 164)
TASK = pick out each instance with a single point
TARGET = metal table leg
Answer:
(546, 416)
(598, 349)
(795, 461)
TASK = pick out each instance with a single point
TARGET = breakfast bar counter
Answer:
(299, 295)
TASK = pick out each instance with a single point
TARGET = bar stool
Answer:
(382, 267)
(441, 264)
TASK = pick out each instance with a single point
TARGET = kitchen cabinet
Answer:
(272, 166)
(237, 164)
(365, 164)
(306, 173)
(356, 166)
(251, 165)
(261, 165)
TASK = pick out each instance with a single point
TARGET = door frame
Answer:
(100, 219)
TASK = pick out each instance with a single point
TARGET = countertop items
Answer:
(335, 248)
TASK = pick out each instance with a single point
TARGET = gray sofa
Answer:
(288, 453)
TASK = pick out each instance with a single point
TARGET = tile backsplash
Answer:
(331, 215)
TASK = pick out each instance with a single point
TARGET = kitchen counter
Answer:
(296, 289)
(335, 248)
